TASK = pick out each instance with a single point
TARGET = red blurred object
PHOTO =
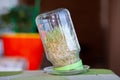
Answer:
(25, 45)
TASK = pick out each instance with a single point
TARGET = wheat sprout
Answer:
(57, 49)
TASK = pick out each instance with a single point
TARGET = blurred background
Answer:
(97, 24)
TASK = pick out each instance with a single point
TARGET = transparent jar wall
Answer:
(59, 37)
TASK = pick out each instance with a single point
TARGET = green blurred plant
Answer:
(21, 17)
(5, 25)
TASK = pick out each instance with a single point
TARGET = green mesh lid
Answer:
(76, 66)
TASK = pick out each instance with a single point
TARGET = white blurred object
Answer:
(12, 64)
(6, 5)
(1, 48)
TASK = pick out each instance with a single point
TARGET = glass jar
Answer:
(59, 37)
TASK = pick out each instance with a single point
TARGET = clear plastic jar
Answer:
(59, 37)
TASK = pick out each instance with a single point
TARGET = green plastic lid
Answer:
(75, 66)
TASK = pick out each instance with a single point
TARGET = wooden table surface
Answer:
(92, 74)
